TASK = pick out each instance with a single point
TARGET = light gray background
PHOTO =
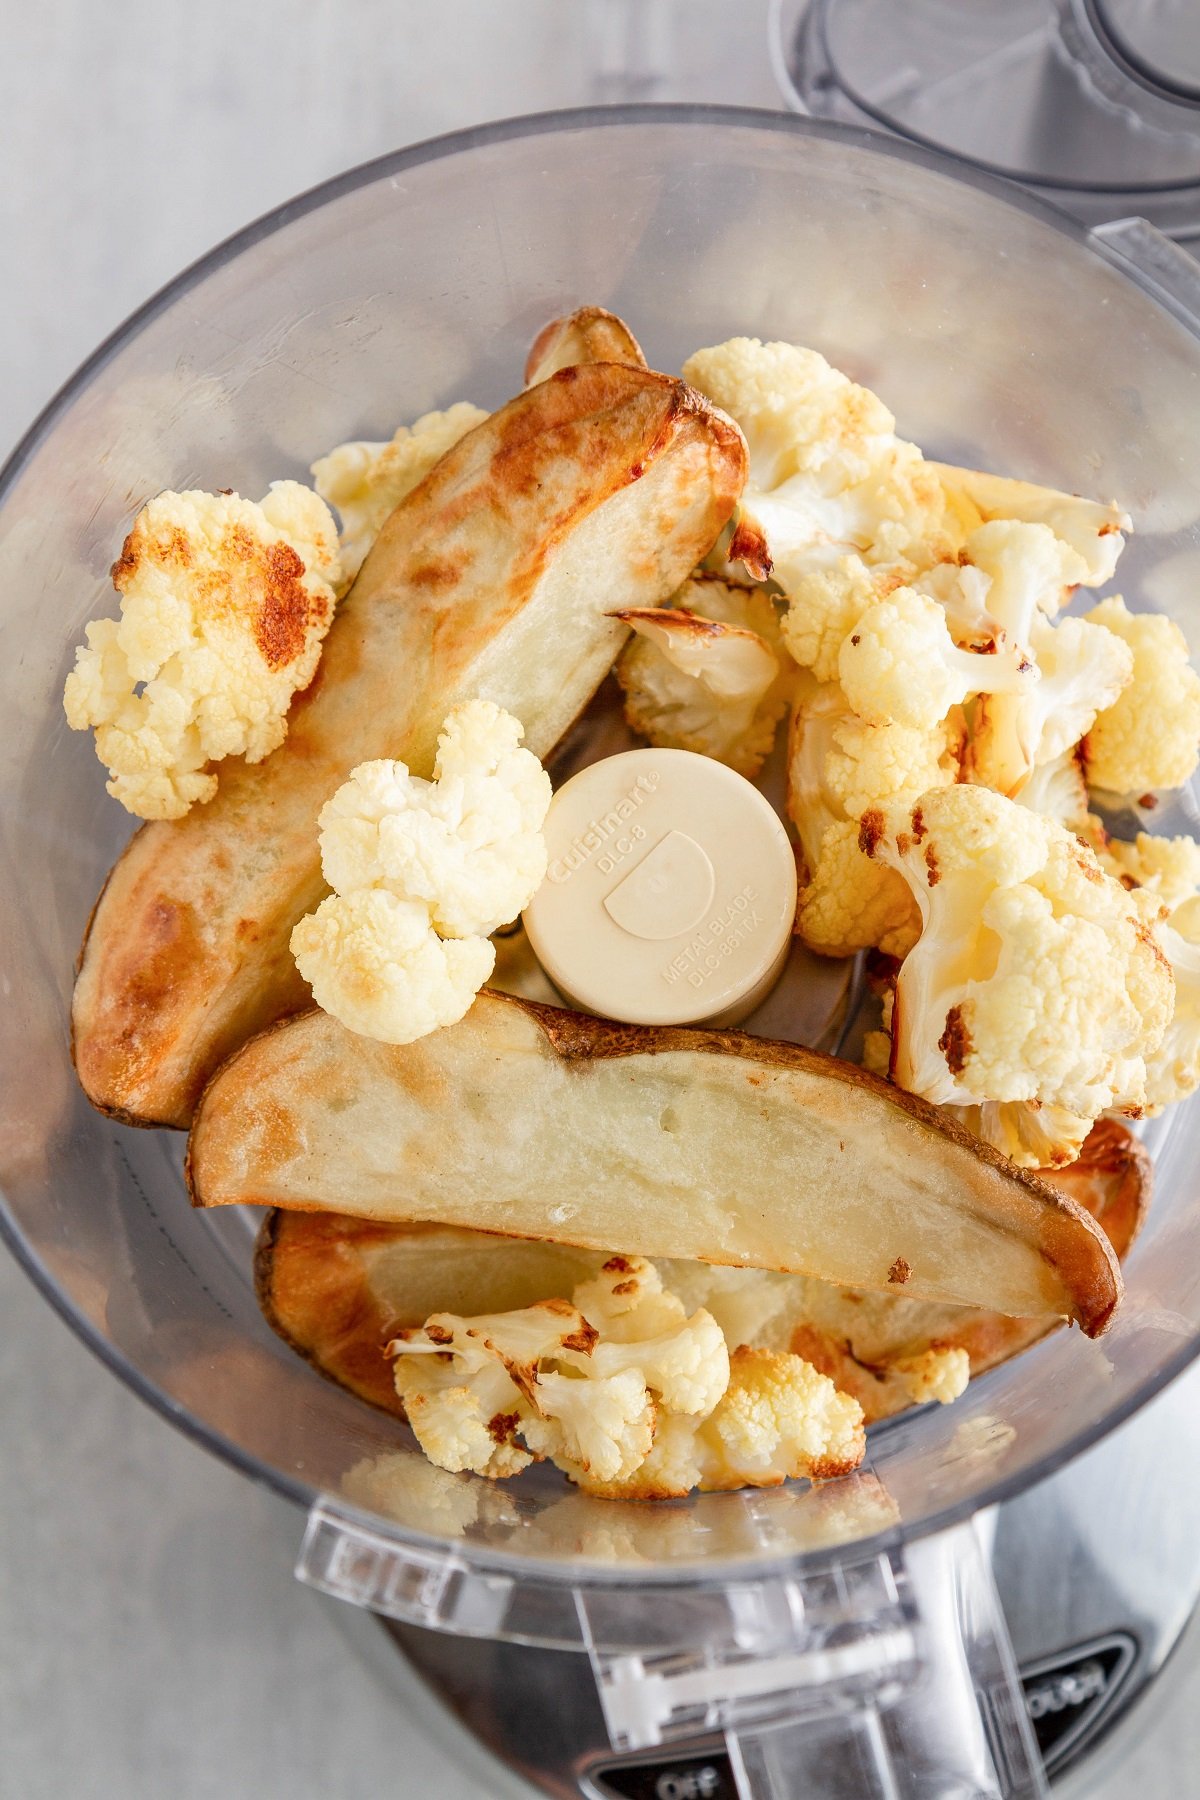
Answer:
(152, 1641)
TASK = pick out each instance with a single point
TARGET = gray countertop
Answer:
(153, 1642)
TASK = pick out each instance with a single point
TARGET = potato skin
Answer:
(186, 954)
(587, 335)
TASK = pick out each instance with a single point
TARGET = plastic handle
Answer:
(883, 1677)
(1155, 262)
(891, 1679)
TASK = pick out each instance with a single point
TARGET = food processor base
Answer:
(1098, 1568)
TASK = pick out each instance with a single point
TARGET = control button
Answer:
(1068, 1695)
(681, 1778)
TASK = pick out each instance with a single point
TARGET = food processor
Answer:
(976, 1604)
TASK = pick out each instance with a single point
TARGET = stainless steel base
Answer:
(1098, 1568)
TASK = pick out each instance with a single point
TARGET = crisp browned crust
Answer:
(313, 1284)
(748, 545)
(588, 335)
(187, 952)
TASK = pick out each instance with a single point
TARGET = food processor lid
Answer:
(1094, 103)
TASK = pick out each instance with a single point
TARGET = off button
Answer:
(686, 1778)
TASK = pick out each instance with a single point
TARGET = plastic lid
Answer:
(670, 894)
(1094, 102)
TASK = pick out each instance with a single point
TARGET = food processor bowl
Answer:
(1003, 336)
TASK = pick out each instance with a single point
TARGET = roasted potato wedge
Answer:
(493, 578)
(713, 1146)
(338, 1288)
(589, 335)
(857, 1337)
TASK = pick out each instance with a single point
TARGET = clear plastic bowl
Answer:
(1002, 335)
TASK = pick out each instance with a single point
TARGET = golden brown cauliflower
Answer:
(225, 604)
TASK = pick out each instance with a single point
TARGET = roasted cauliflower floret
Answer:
(468, 843)
(1090, 529)
(225, 604)
(901, 666)
(707, 674)
(374, 962)
(465, 1383)
(827, 472)
(624, 1391)
(1058, 791)
(367, 481)
(839, 768)
(1083, 670)
(825, 605)
(1148, 737)
(850, 903)
(778, 1419)
(593, 1425)
(1035, 981)
(940, 1373)
(1168, 868)
(422, 873)
(1163, 875)
(683, 1360)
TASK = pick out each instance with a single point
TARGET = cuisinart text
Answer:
(602, 834)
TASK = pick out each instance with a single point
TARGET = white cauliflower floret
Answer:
(367, 481)
(623, 1391)
(706, 673)
(1035, 1136)
(1035, 981)
(827, 472)
(601, 1425)
(1090, 529)
(1163, 875)
(422, 873)
(778, 1419)
(468, 843)
(373, 962)
(901, 666)
(746, 1303)
(1149, 737)
(224, 607)
(683, 1360)
(465, 1382)
(940, 1373)
(1166, 867)
(1029, 574)
(1083, 670)
(840, 768)
(850, 903)
(825, 605)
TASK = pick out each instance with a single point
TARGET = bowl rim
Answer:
(549, 1572)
